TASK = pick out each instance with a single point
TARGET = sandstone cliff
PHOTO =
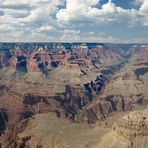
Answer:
(131, 131)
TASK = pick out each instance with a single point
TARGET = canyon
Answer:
(51, 93)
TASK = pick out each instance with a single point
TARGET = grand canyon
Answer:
(73, 95)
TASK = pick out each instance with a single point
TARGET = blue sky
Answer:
(118, 21)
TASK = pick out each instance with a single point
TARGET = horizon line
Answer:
(70, 42)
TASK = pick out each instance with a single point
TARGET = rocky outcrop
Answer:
(32, 65)
(133, 125)
(95, 87)
(98, 112)
(39, 60)
(130, 131)
(101, 108)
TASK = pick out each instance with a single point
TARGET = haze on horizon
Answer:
(117, 21)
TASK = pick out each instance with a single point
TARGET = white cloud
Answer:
(46, 28)
(143, 6)
(32, 2)
(30, 19)
(76, 10)
(27, 17)
(76, 38)
(17, 14)
(73, 32)
(84, 10)
(90, 33)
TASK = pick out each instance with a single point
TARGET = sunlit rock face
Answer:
(129, 131)
(136, 122)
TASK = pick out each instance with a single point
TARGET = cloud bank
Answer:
(64, 20)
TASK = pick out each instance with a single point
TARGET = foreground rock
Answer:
(48, 131)
(131, 131)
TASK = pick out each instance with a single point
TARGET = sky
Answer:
(113, 21)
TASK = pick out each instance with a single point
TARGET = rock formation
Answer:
(130, 131)
(101, 109)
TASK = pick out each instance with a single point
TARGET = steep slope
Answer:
(131, 131)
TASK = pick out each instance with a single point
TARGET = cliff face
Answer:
(130, 131)
(101, 109)
(136, 124)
